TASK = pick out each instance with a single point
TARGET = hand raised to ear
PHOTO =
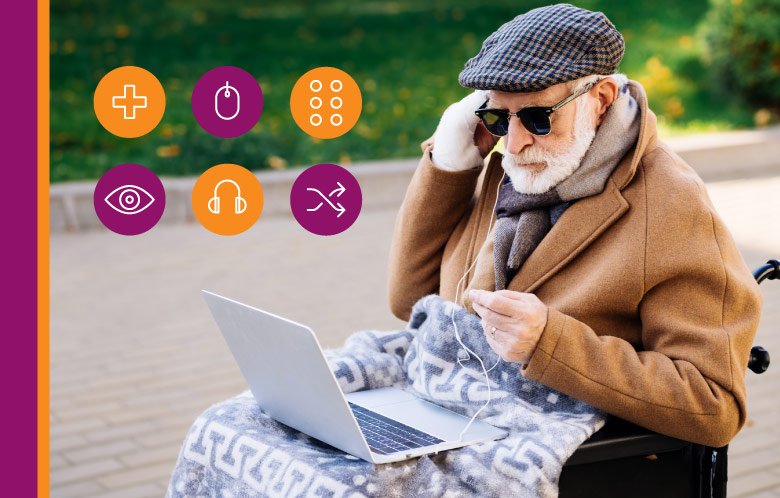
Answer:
(459, 142)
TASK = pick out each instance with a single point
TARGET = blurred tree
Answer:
(743, 49)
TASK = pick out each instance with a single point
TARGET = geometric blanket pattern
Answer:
(234, 450)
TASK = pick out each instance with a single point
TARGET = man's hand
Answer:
(518, 317)
(461, 141)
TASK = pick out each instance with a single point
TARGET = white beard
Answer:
(558, 166)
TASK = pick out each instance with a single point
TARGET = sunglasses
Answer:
(535, 119)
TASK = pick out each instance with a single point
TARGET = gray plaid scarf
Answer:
(524, 219)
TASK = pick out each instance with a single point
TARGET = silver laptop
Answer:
(289, 377)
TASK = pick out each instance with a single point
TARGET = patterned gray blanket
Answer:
(234, 450)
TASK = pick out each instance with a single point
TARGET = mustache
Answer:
(530, 156)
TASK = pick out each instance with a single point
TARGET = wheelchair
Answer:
(625, 460)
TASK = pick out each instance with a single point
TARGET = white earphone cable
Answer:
(457, 335)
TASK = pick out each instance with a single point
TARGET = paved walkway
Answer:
(136, 355)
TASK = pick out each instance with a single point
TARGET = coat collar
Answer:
(580, 224)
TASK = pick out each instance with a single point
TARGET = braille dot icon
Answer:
(326, 102)
(335, 103)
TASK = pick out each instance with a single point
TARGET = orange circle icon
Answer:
(326, 102)
(129, 101)
(227, 199)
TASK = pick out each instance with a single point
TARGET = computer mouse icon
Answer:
(227, 94)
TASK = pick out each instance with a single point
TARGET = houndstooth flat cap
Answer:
(544, 47)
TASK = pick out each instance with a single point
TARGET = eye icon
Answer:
(129, 199)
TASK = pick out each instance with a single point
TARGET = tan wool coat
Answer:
(652, 310)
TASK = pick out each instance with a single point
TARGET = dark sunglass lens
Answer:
(535, 120)
(495, 123)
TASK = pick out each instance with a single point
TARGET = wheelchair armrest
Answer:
(771, 271)
(621, 439)
(759, 357)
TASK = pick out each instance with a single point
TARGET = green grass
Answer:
(405, 56)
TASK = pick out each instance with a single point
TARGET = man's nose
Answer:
(517, 137)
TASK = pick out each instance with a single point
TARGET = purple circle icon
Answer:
(326, 199)
(129, 199)
(227, 101)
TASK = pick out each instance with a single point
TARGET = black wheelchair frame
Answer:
(625, 460)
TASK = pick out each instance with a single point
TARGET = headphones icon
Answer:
(240, 206)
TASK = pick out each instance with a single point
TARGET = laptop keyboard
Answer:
(385, 435)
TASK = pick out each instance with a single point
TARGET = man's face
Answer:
(536, 163)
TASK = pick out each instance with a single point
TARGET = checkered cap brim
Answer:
(544, 47)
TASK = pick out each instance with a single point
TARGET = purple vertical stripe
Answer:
(19, 207)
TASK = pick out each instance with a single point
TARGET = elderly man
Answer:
(590, 250)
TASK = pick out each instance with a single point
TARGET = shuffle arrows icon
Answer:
(340, 209)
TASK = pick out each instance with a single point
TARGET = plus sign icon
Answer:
(129, 101)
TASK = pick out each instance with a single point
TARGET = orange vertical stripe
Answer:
(43, 248)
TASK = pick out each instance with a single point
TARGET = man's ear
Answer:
(606, 91)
